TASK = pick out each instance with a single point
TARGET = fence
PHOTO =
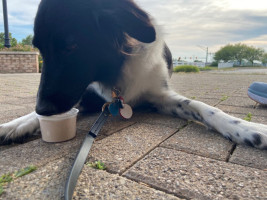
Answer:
(225, 65)
(179, 63)
(19, 62)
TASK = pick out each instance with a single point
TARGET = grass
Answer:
(186, 68)
(224, 98)
(25, 171)
(248, 117)
(97, 165)
(1, 189)
(207, 68)
(6, 178)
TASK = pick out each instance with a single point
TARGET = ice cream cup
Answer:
(58, 128)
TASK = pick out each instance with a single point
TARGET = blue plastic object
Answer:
(114, 109)
(257, 91)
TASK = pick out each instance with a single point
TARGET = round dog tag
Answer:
(114, 109)
(126, 112)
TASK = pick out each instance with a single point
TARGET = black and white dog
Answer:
(91, 46)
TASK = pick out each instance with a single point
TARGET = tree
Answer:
(225, 53)
(252, 54)
(27, 40)
(238, 52)
(13, 41)
(264, 58)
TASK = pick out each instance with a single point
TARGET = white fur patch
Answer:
(19, 127)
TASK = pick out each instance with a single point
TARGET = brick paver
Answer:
(150, 156)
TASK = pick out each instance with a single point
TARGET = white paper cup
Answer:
(58, 128)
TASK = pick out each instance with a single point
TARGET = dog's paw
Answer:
(251, 134)
(19, 129)
(240, 131)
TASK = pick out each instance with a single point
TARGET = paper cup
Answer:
(58, 128)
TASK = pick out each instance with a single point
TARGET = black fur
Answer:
(81, 42)
(257, 139)
(235, 122)
(91, 98)
(187, 102)
(248, 142)
(168, 58)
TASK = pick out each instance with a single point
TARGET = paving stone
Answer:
(196, 139)
(97, 184)
(6, 99)
(239, 101)
(8, 107)
(209, 101)
(92, 184)
(113, 124)
(14, 114)
(152, 117)
(219, 93)
(190, 93)
(243, 110)
(47, 182)
(22, 94)
(243, 92)
(22, 101)
(37, 153)
(120, 150)
(194, 177)
(185, 175)
(250, 157)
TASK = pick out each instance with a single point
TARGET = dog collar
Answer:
(117, 106)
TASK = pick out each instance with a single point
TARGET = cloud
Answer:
(20, 17)
(185, 23)
(21, 12)
(188, 23)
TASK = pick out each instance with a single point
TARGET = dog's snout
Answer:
(46, 108)
(49, 106)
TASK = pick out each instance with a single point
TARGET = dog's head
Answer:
(83, 41)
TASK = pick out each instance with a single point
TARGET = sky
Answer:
(189, 26)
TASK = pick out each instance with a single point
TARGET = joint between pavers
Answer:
(231, 152)
(155, 187)
(152, 149)
(187, 152)
(200, 155)
(218, 103)
(112, 132)
(246, 166)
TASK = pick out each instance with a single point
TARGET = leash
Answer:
(114, 108)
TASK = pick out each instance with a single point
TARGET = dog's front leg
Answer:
(235, 129)
(18, 129)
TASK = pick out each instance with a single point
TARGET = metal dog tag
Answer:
(126, 112)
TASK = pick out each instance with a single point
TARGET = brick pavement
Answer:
(150, 156)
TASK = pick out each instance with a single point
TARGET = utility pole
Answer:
(7, 40)
(206, 49)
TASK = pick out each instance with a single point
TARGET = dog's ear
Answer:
(132, 20)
